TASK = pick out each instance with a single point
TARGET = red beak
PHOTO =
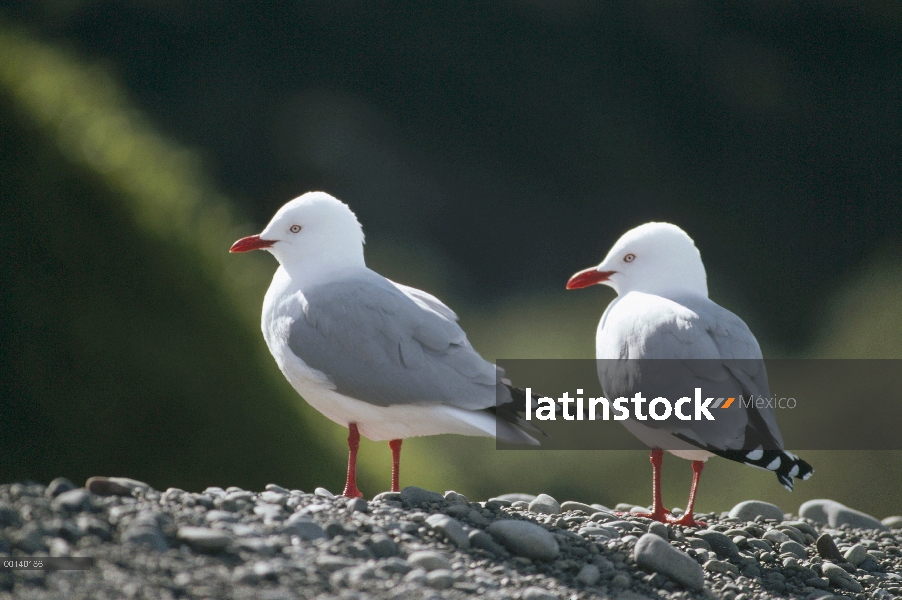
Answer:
(588, 277)
(251, 242)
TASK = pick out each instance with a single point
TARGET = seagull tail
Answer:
(786, 465)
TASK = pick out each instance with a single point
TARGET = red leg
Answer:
(351, 490)
(659, 513)
(395, 446)
(686, 520)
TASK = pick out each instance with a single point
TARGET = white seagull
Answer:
(385, 360)
(677, 339)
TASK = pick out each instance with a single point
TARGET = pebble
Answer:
(76, 500)
(58, 486)
(204, 539)
(414, 496)
(304, 528)
(654, 554)
(440, 579)
(115, 486)
(545, 504)
(526, 539)
(323, 492)
(748, 510)
(794, 548)
(719, 542)
(537, 593)
(894, 522)
(451, 528)
(827, 549)
(856, 554)
(660, 529)
(571, 505)
(516, 497)
(839, 577)
(835, 514)
(358, 505)
(588, 575)
(429, 560)
(720, 566)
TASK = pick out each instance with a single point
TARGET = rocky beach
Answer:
(281, 544)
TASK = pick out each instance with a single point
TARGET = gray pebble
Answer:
(304, 528)
(894, 522)
(794, 548)
(357, 505)
(204, 539)
(429, 560)
(451, 528)
(654, 554)
(76, 500)
(323, 492)
(571, 505)
(440, 579)
(331, 563)
(545, 504)
(115, 486)
(719, 542)
(658, 528)
(414, 496)
(453, 497)
(827, 549)
(526, 539)
(383, 546)
(835, 514)
(482, 540)
(387, 497)
(144, 530)
(516, 497)
(588, 575)
(841, 578)
(748, 510)
(856, 554)
(720, 566)
(537, 593)
(775, 536)
(58, 486)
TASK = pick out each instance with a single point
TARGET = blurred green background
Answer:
(490, 151)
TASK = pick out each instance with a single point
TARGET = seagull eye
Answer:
(294, 228)
(629, 258)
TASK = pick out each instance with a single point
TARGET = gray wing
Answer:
(387, 344)
(688, 345)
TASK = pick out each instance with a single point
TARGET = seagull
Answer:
(385, 360)
(662, 311)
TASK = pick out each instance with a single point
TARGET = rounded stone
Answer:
(414, 496)
(537, 593)
(204, 539)
(894, 522)
(526, 539)
(654, 554)
(856, 554)
(748, 510)
(794, 548)
(440, 579)
(588, 575)
(545, 504)
(835, 514)
(429, 560)
(58, 486)
(451, 528)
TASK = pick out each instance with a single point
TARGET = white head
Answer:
(313, 229)
(655, 258)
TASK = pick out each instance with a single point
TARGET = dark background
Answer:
(489, 149)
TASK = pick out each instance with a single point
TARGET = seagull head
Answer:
(655, 258)
(315, 227)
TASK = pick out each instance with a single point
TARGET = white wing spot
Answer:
(755, 454)
(794, 471)
(774, 464)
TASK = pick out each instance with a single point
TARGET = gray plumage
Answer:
(387, 344)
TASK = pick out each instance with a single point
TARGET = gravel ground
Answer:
(285, 544)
